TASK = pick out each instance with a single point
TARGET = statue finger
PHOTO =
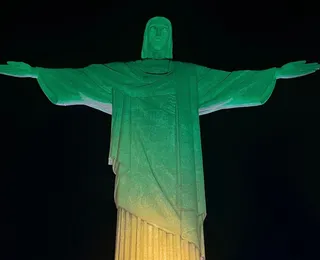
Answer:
(312, 67)
(307, 69)
(12, 62)
(314, 63)
(306, 72)
(299, 62)
(16, 64)
(317, 66)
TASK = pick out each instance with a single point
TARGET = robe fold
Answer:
(155, 145)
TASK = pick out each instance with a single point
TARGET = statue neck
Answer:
(156, 66)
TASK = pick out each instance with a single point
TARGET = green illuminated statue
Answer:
(155, 148)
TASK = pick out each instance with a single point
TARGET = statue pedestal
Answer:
(139, 240)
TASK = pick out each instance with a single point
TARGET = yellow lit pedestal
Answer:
(139, 240)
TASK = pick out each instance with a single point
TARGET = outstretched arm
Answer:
(85, 86)
(222, 90)
(296, 69)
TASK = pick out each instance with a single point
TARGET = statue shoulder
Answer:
(116, 65)
(186, 66)
(111, 65)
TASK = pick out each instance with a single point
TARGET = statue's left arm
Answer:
(222, 90)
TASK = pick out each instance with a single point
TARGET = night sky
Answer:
(261, 164)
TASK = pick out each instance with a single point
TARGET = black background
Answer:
(261, 164)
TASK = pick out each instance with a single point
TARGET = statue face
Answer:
(158, 36)
(157, 39)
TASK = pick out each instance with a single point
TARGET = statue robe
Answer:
(155, 145)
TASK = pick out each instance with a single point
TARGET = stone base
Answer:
(140, 240)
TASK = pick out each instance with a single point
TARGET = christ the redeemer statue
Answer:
(155, 148)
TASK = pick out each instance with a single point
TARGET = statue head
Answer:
(157, 42)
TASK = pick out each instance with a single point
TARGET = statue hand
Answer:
(18, 69)
(296, 69)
